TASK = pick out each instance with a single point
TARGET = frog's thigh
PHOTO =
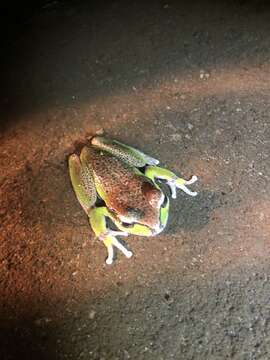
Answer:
(82, 182)
(128, 154)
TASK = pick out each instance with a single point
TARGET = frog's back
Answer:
(113, 176)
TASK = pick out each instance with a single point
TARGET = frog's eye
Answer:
(134, 213)
(128, 225)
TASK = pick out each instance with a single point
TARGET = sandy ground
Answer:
(188, 83)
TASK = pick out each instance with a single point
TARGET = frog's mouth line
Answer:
(162, 223)
(150, 231)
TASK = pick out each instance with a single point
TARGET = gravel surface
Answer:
(189, 84)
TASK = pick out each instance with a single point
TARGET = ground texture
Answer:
(188, 83)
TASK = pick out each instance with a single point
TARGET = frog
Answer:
(121, 189)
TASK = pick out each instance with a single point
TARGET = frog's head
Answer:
(149, 216)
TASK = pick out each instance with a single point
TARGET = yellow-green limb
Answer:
(82, 183)
(127, 154)
(97, 219)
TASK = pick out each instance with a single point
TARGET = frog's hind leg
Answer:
(129, 155)
(82, 182)
(97, 218)
(173, 181)
(84, 187)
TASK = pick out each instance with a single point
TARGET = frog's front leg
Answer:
(97, 218)
(127, 154)
(173, 181)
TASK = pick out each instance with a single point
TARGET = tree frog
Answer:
(119, 186)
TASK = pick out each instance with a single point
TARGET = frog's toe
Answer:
(193, 179)
(129, 254)
(172, 186)
(109, 239)
(121, 247)
(117, 233)
(109, 259)
(150, 160)
(180, 183)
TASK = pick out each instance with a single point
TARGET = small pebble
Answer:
(99, 131)
(126, 354)
(204, 75)
(92, 314)
(176, 137)
(42, 321)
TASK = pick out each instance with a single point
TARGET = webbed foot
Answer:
(109, 239)
(173, 181)
(180, 183)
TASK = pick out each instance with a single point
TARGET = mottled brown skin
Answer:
(128, 192)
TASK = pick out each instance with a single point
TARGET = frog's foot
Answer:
(109, 239)
(173, 181)
(180, 183)
(97, 218)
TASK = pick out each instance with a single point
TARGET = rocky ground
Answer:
(186, 82)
